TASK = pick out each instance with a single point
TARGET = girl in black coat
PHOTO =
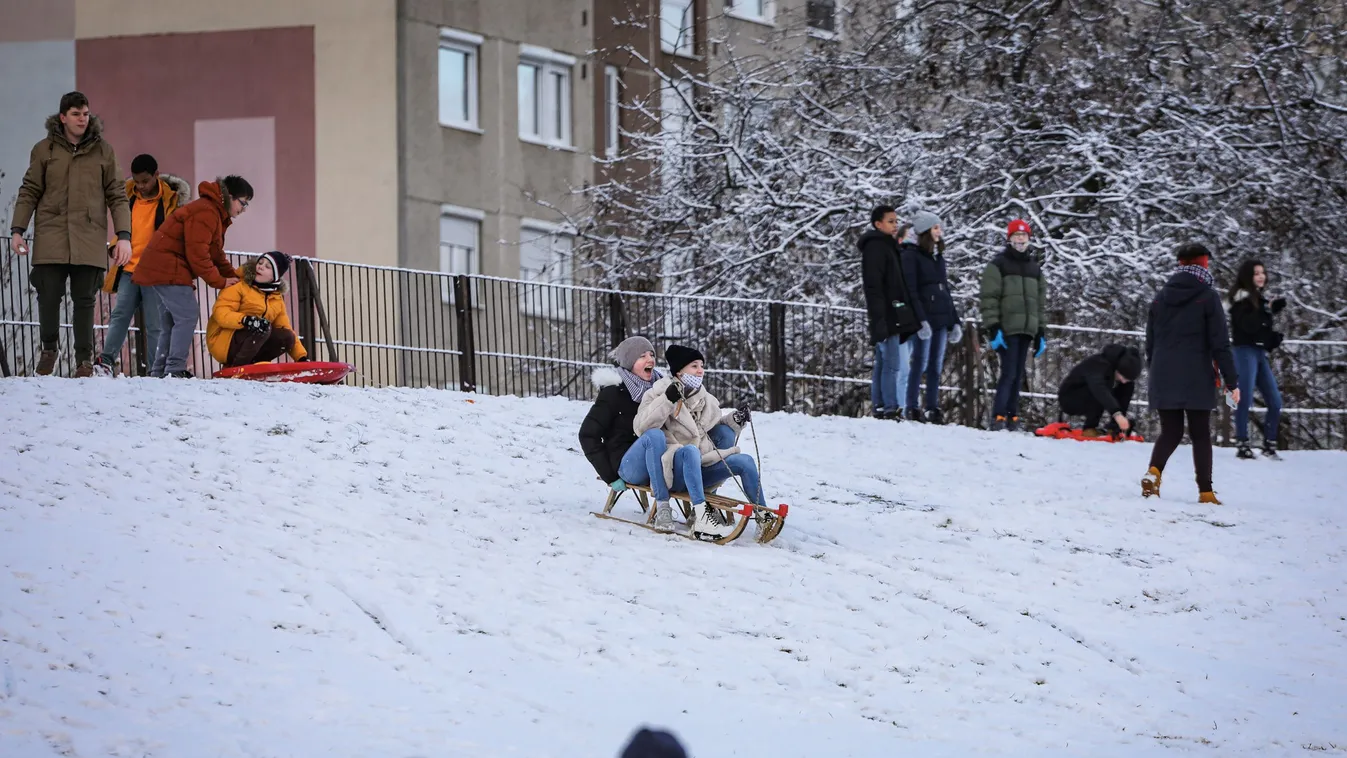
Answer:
(1253, 336)
(927, 280)
(1186, 335)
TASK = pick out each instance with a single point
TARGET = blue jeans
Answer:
(131, 296)
(1255, 370)
(890, 373)
(690, 477)
(928, 357)
(643, 464)
(1013, 357)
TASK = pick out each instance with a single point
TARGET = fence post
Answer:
(971, 370)
(776, 317)
(306, 273)
(617, 318)
(305, 298)
(467, 348)
(4, 360)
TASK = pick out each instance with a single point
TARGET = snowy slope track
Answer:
(194, 568)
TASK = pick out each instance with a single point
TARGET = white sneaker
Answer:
(663, 517)
(709, 522)
(103, 369)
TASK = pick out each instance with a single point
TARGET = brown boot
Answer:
(1208, 497)
(84, 370)
(1150, 483)
(46, 363)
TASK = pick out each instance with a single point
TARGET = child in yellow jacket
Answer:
(249, 323)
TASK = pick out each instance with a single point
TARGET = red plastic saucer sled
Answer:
(1063, 431)
(309, 372)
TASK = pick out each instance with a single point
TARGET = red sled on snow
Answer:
(1063, 431)
(308, 372)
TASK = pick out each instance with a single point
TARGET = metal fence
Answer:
(402, 327)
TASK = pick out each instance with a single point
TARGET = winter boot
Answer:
(1150, 483)
(1270, 450)
(1244, 451)
(184, 374)
(663, 516)
(1208, 498)
(1091, 433)
(84, 370)
(1013, 424)
(709, 522)
(102, 369)
(933, 416)
(883, 415)
(46, 363)
(914, 414)
(999, 424)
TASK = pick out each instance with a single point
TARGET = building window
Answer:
(458, 78)
(460, 247)
(545, 96)
(675, 112)
(822, 16)
(612, 111)
(676, 27)
(545, 261)
(761, 11)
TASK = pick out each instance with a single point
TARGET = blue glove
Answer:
(618, 485)
(925, 332)
(999, 343)
(1042, 345)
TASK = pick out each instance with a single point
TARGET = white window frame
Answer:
(686, 48)
(470, 45)
(835, 32)
(474, 259)
(612, 112)
(675, 112)
(550, 108)
(556, 304)
(737, 9)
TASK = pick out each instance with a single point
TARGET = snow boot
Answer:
(184, 374)
(709, 521)
(1013, 424)
(883, 415)
(999, 424)
(1270, 450)
(663, 517)
(1244, 452)
(1208, 498)
(102, 369)
(1150, 483)
(84, 370)
(1091, 434)
(914, 414)
(933, 416)
(46, 363)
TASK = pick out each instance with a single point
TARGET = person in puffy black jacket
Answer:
(1102, 384)
(1186, 335)
(892, 318)
(1253, 335)
(928, 280)
(606, 434)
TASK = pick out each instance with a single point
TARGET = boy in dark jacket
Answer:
(892, 319)
(1185, 335)
(1101, 385)
(1012, 298)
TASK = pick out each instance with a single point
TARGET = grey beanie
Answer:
(630, 349)
(923, 221)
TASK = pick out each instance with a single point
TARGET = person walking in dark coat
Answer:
(1012, 297)
(1186, 334)
(892, 319)
(1252, 332)
(1102, 385)
(928, 280)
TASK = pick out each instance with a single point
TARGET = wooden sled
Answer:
(308, 372)
(770, 521)
(1062, 430)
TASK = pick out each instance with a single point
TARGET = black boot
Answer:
(1244, 451)
(933, 416)
(1270, 449)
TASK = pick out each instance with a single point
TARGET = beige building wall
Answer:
(355, 74)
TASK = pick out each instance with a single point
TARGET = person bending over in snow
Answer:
(691, 460)
(249, 323)
(1102, 384)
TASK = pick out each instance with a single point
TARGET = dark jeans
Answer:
(258, 347)
(1171, 434)
(1013, 357)
(928, 359)
(49, 280)
(1082, 402)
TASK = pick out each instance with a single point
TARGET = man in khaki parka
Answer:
(72, 182)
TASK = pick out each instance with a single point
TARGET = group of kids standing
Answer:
(1190, 348)
(165, 242)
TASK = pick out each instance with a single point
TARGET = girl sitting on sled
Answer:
(249, 323)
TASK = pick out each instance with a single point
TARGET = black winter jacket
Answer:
(1251, 320)
(1096, 376)
(1185, 335)
(887, 300)
(928, 279)
(606, 434)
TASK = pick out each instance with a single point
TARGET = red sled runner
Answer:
(1063, 431)
(308, 372)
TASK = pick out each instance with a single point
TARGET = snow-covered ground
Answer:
(209, 568)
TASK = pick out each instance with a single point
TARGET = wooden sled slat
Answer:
(770, 521)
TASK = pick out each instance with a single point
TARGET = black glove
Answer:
(743, 414)
(1275, 341)
(255, 323)
(1278, 305)
(674, 392)
(305, 359)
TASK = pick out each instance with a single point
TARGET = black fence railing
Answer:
(409, 328)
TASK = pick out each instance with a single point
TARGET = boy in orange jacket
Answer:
(249, 323)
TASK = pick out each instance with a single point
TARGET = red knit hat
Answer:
(1018, 225)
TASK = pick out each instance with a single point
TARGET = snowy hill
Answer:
(193, 568)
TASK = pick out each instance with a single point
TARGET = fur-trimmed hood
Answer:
(605, 377)
(175, 184)
(56, 132)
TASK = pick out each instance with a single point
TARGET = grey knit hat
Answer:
(630, 350)
(923, 221)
